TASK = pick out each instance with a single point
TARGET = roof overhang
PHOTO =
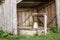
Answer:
(31, 3)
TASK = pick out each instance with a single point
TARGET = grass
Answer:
(3, 39)
(52, 36)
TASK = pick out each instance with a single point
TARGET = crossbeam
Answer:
(31, 2)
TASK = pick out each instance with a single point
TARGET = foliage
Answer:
(54, 29)
(52, 36)
(1, 33)
(4, 34)
(9, 36)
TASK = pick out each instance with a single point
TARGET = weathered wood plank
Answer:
(58, 12)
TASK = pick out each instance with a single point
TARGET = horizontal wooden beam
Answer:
(31, 2)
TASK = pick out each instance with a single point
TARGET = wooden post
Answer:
(10, 16)
(58, 12)
(45, 24)
(14, 16)
(7, 16)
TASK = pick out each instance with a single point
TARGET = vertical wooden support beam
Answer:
(7, 16)
(45, 24)
(58, 12)
(10, 16)
(14, 16)
(1, 16)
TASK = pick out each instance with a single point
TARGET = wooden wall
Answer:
(8, 16)
(50, 10)
(24, 17)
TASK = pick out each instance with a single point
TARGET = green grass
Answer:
(52, 36)
(3, 39)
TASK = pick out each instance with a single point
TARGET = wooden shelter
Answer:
(26, 10)
(19, 15)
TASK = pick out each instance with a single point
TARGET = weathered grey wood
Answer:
(14, 16)
(58, 12)
(9, 16)
(1, 21)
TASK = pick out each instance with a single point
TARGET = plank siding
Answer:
(51, 12)
(25, 18)
(58, 13)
